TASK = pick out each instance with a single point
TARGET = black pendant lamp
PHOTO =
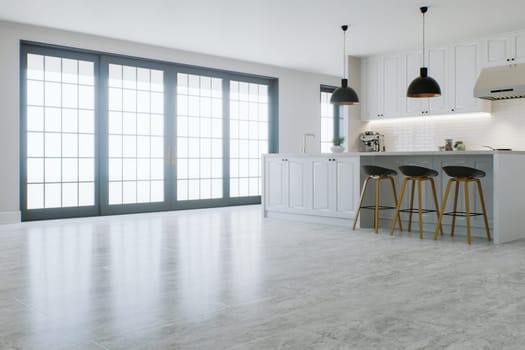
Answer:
(423, 86)
(344, 95)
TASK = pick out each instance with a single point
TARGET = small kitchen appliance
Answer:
(373, 141)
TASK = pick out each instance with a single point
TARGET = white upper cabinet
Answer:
(504, 49)
(456, 68)
(465, 64)
(392, 87)
(382, 87)
(438, 67)
(372, 88)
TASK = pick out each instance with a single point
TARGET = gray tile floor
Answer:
(229, 279)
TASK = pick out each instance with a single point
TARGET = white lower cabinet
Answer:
(275, 183)
(321, 186)
(285, 183)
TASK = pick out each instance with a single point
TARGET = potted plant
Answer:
(337, 141)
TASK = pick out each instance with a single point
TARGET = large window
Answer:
(331, 122)
(135, 134)
(199, 137)
(104, 134)
(249, 120)
(60, 125)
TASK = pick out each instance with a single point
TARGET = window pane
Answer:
(136, 113)
(327, 122)
(70, 195)
(35, 67)
(86, 193)
(35, 196)
(248, 136)
(59, 87)
(199, 136)
(35, 170)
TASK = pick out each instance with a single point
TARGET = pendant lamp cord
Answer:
(423, 39)
(344, 53)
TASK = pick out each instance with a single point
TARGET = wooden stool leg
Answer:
(398, 206)
(436, 204)
(419, 207)
(480, 191)
(456, 191)
(467, 211)
(395, 202)
(365, 183)
(445, 197)
(411, 206)
(376, 211)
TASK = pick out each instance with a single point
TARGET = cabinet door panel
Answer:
(437, 65)
(296, 180)
(466, 62)
(497, 50)
(392, 89)
(347, 180)
(519, 43)
(275, 179)
(372, 88)
(321, 185)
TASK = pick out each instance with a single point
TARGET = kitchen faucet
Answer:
(304, 140)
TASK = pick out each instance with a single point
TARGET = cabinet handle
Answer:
(508, 59)
(513, 58)
(452, 110)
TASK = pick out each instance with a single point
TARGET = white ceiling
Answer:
(300, 34)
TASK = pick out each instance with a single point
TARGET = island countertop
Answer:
(398, 153)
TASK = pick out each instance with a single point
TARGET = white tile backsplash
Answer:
(504, 128)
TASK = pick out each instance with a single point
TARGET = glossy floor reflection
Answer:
(229, 279)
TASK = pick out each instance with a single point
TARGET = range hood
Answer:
(501, 83)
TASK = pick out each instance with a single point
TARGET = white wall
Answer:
(299, 107)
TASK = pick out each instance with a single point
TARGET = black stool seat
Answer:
(373, 170)
(462, 175)
(417, 171)
(377, 174)
(416, 175)
(463, 171)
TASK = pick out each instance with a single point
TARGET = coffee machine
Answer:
(373, 141)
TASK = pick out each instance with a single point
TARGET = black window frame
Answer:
(102, 60)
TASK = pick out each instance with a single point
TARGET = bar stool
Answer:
(376, 173)
(417, 175)
(466, 175)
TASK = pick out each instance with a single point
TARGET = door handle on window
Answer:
(167, 154)
(174, 155)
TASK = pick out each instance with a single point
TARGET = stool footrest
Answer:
(380, 207)
(461, 213)
(415, 211)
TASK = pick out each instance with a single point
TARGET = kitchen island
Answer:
(326, 187)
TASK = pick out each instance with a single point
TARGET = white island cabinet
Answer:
(326, 187)
(318, 187)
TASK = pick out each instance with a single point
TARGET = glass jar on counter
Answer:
(459, 146)
(448, 145)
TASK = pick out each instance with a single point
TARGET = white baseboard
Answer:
(9, 217)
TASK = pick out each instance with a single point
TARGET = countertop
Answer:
(407, 153)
